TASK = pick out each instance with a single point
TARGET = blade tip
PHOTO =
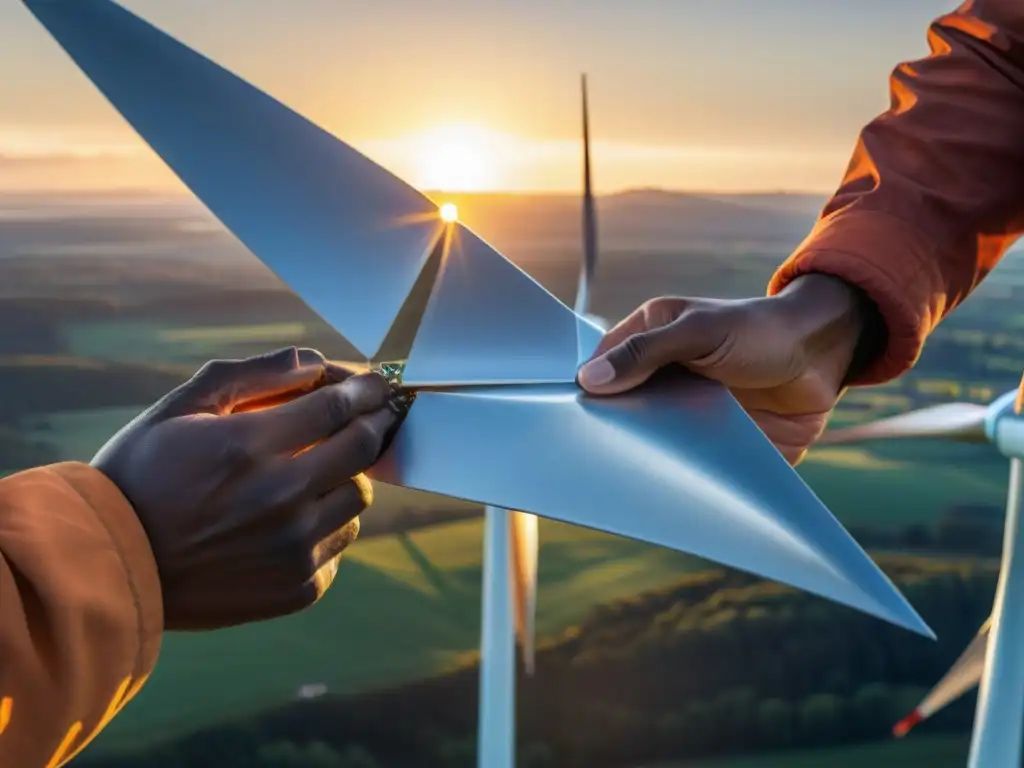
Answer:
(909, 619)
(904, 726)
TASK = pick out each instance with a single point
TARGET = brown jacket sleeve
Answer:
(934, 193)
(81, 613)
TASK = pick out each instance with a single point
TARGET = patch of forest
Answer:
(722, 663)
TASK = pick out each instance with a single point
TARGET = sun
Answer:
(449, 213)
(459, 158)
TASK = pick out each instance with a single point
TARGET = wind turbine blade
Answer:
(525, 539)
(488, 322)
(961, 677)
(589, 265)
(347, 236)
(676, 463)
(999, 715)
(952, 421)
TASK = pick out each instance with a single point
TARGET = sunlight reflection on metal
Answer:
(449, 213)
(319, 214)
(489, 322)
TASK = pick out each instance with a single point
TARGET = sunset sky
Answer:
(723, 95)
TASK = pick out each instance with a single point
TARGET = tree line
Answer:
(722, 663)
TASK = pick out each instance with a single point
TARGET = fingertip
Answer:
(369, 391)
(306, 356)
(596, 374)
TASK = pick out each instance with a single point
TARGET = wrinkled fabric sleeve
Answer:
(934, 193)
(81, 613)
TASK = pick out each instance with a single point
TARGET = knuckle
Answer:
(662, 310)
(214, 370)
(636, 348)
(700, 319)
(285, 358)
(280, 489)
(374, 389)
(236, 451)
(366, 441)
(335, 404)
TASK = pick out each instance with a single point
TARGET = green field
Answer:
(931, 751)
(402, 607)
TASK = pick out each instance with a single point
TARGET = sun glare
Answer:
(459, 158)
(449, 213)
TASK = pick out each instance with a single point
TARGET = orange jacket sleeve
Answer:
(81, 613)
(934, 193)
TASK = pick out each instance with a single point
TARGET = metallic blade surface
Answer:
(588, 336)
(347, 236)
(525, 539)
(950, 421)
(488, 322)
(676, 462)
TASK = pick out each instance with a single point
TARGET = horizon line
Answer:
(696, 192)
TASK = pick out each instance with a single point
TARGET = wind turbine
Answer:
(589, 265)
(524, 527)
(994, 657)
(495, 415)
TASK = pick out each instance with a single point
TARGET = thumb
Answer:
(635, 359)
(222, 386)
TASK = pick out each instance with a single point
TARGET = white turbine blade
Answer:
(961, 677)
(999, 715)
(347, 236)
(488, 322)
(952, 421)
(676, 462)
(589, 263)
(497, 712)
(525, 540)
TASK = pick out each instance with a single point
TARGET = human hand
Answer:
(783, 357)
(248, 509)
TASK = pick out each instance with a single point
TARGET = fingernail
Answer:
(596, 373)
